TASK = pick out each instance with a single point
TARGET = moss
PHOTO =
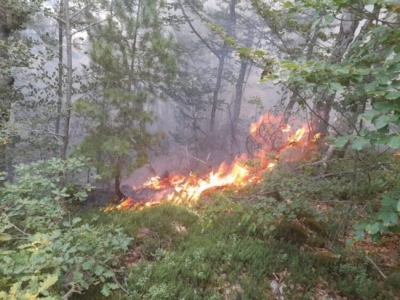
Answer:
(326, 258)
(314, 225)
(316, 242)
(291, 233)
(393, 280)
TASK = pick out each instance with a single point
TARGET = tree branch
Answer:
(195, 31)
(87, 27)
(376, 266)
(78, 12)
(317, 115)
(68, 294)
(120, 286)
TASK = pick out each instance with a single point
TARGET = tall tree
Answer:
(221, 50)
(361, 72)
(68, 89)
(13, 17)
(324, 101)
(132, 60)
(316, 43)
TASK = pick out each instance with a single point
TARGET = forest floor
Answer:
(251, 244)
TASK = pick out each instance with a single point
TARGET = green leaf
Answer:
(5, 237)
(364, 132)
(388, 218)
(289, 65)
(369, 115)
(288, 4)
(394, 67)
(383, 121)
(394, 142)
(349, 242)
(329, 19)
(342, 70)
(359, 235)
(392, 95)
(48, 282)
(395, 84)
(106, 290)
(76, 220)
(388, 201)
(384, 106)
(359, 143)
(382, 78)
(88, 265)
(108, 274)
(336, 86)
(372, 228)
(398, 206)
(341, 141)
(99, 270)
(371, 86)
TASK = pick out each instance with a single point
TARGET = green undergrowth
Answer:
(214, 256)
(233, 244)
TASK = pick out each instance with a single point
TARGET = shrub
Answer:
(43, 250)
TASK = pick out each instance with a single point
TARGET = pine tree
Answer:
(131, 62)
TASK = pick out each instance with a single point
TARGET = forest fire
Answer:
(268, 135)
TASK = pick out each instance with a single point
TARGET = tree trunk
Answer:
(323, 104)
(287, 114)
(134, 45)
(117, 184)
(6, 84)
(239, 95)
(68, 91)
(221, 58)
(60, 69)
(218, 84)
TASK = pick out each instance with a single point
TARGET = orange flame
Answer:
(316, 137)
(179, 188)
(285, 128)
(295, 138)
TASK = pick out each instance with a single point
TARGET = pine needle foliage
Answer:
(131, 60)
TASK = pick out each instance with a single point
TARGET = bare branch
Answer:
(196, 32)
(87, 27)
(376, 266)
(315, 113)
(68, 294)
(120, 286)
(195, 158)
(78, 12)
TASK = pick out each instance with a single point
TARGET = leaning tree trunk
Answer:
(324, 101)
(347, 121)
(287, 114)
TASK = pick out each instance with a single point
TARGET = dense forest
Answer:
(199, 149)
